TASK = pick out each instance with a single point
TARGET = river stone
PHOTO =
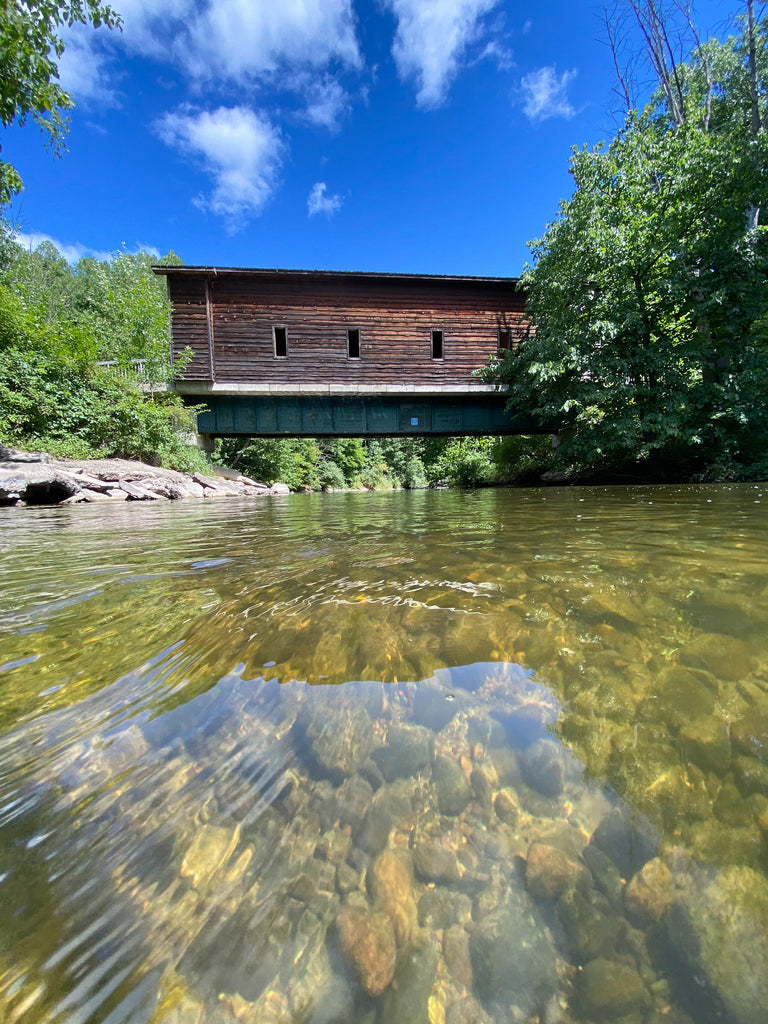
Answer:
(726, 657)
(716, 935)
(545, 766)
(649, 893)
(589, 929)
(367, 941)
(456, 955)
(353, 800)
(451, 785)
(407, 998)
(608, 990)
(707, 743)
(391, 890)
(549, 872)
(513, 959)
(609, 605)
(441, 908)
(526, 724)
(507, 806)
(680, 696)
(749, 733)
(751, 775)
(339, 731)
(605, 874)
(628, 839)
(434, 862)
(409, 749)
(208, 852)
(390, 804)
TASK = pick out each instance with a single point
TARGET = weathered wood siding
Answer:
(395, 317)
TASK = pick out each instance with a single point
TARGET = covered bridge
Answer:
(292, 352)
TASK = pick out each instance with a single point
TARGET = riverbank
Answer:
(34, 478)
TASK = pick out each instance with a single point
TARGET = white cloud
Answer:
(240, 39)
(84, 67)
(431, 38)
(71, 251)
(327, 102)
(319, 202)
(242, 151)
(544, 94)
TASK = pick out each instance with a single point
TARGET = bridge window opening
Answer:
(437, 344)
(281, 342)
(505, 339)
(353, 343)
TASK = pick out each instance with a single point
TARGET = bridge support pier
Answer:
(206, 443)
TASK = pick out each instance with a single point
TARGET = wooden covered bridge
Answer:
(318, 353)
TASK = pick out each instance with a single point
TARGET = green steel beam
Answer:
(358, 416)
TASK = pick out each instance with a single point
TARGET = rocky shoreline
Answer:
(34, 478)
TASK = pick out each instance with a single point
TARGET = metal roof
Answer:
(209, 271)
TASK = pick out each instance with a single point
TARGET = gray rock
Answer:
(409, 749)
(432, 706)
(14, 455)
(338, 730)
(545, 765)
(407, 997)
(451, 785)
(441, 908)
(513, 959)
(628, 839)
(433, 862)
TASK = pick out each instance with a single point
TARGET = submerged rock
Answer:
(391, 890)
(409, 749)
(549, 872)
(338, 729)
(716, 934)
(609, 990)
(434, 862)
(513, 959)
(726, 657)
(367, 941)
(545, 766)
(407, 998)
(452, 787)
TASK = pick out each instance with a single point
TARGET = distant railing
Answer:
(135, 369)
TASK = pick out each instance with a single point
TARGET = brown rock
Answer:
(649, 893)
(507, 805)
(549, 872)
(456, 954)
(392, 893)
(368, 943)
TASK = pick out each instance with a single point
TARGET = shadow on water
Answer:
(269, 851)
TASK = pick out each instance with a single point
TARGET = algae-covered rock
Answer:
(706, 742)
(716, 935)
(434, 862)
(441, 908)
(649, 893)
(749, 733)
(726, 657)
(680, 695)
(608, 990)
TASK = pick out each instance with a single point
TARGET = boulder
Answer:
(367, 941)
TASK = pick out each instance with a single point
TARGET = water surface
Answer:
(445, 756)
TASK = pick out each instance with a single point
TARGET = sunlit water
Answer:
(387, 759)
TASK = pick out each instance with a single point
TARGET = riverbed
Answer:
(445, 757)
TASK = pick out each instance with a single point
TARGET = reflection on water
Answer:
(547, 802)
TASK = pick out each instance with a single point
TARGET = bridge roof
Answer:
(360, 275)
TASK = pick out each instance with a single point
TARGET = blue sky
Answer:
(421, 136)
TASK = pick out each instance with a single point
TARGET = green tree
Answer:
(30, 46)
(648, 292)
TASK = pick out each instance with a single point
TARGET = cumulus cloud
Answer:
(544, 94)
(431, 39)
(319, 202)
(239, 148)
(238, 39)
(233, 41)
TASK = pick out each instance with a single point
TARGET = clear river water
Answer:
(494, 757)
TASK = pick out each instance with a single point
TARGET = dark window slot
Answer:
(505, 340)
(353, 343)
(281, 342)
(437, 344)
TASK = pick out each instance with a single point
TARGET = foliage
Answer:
(292, 461)
(648, 292)
(30, 46)
(53, 393)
